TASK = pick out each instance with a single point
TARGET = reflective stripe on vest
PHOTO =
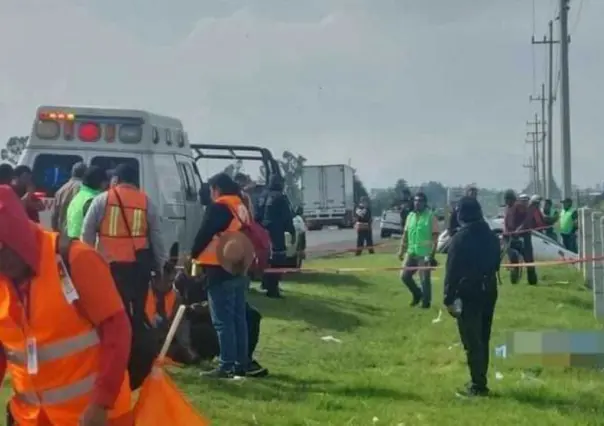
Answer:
(234, 202)
(114, 240)
(57, 350)
(59, 395)
(419, 233)
(67, 347)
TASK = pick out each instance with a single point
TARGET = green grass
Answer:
(393, 362)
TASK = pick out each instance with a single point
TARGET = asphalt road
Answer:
(331, 240)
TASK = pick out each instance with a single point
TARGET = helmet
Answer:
(523, 197)
(535, 199)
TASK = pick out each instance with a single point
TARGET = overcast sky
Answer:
(418, 89)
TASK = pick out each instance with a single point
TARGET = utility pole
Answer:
(531, 166)
(549, 179)
(565, 100)
(535, 142)
(544, 185)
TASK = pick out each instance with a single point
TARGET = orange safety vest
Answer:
(234, 202)
(151, 304)
(57, 341)
(114, 239)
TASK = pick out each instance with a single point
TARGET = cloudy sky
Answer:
(423, 90)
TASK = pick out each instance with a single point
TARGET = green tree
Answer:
(233, 168)
(14, 147)
(292, 166)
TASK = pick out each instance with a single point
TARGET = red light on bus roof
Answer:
(56, 115)
(89, 132)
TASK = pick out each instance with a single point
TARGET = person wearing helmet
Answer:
(517, 224)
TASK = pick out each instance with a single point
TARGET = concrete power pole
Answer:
(544, 185)
(565, 101)
(530, 165)
(535, 142)
(551, 98)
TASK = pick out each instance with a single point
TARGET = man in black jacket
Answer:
(454, 225)
(406, 206)
(274, 213)
(363, 224)
(471, 289)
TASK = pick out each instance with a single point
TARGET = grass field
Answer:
(393, 365)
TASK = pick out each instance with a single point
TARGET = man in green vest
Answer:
(94, 182)
(417, 250)
(569, 224)
(551, 216)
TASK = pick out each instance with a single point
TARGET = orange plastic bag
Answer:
(160, 403)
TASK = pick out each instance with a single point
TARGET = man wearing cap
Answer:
(517, 224)
(65, 337)
(569, 224)
(470, 289)
(417, 250)
(64, 196)
(406, 205)
(225, 255)
(124, 225)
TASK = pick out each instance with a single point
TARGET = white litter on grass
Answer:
(254, 419)
(530, 377)
(438, 317)
(454, 345)
(330, 339)
(498, 376)
(559, 305)
(562, 282)
(375, 420)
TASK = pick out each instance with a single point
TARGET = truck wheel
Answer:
(384, 233)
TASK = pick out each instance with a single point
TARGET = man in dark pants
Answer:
(275, 214)
(518, 236)
(569, 225)
(406, 206)
(363, 225)
(471, 290)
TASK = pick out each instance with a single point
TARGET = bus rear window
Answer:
(47, 129)
(52, 171)
(110, 163)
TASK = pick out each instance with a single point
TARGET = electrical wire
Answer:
(577, 17)
(533, 50)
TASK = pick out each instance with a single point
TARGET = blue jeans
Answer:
(227, 308)
(413, 261)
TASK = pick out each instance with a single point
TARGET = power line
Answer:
(577, 17)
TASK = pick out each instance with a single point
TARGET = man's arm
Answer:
(99, 302)
(216, 219)
(54, 217)
(453, 270)
(93, 218)
(435, 234)
(155, 238)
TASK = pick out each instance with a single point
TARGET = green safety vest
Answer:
(75, 211)
(566, 221)
(419, 233)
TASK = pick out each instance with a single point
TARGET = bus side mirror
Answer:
(204, 195)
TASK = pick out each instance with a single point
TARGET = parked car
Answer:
(544, 248)
(390, 223)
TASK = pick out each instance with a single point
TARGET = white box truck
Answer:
(328, 196)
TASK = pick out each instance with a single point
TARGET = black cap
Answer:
(469, 210)
(125, 173)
